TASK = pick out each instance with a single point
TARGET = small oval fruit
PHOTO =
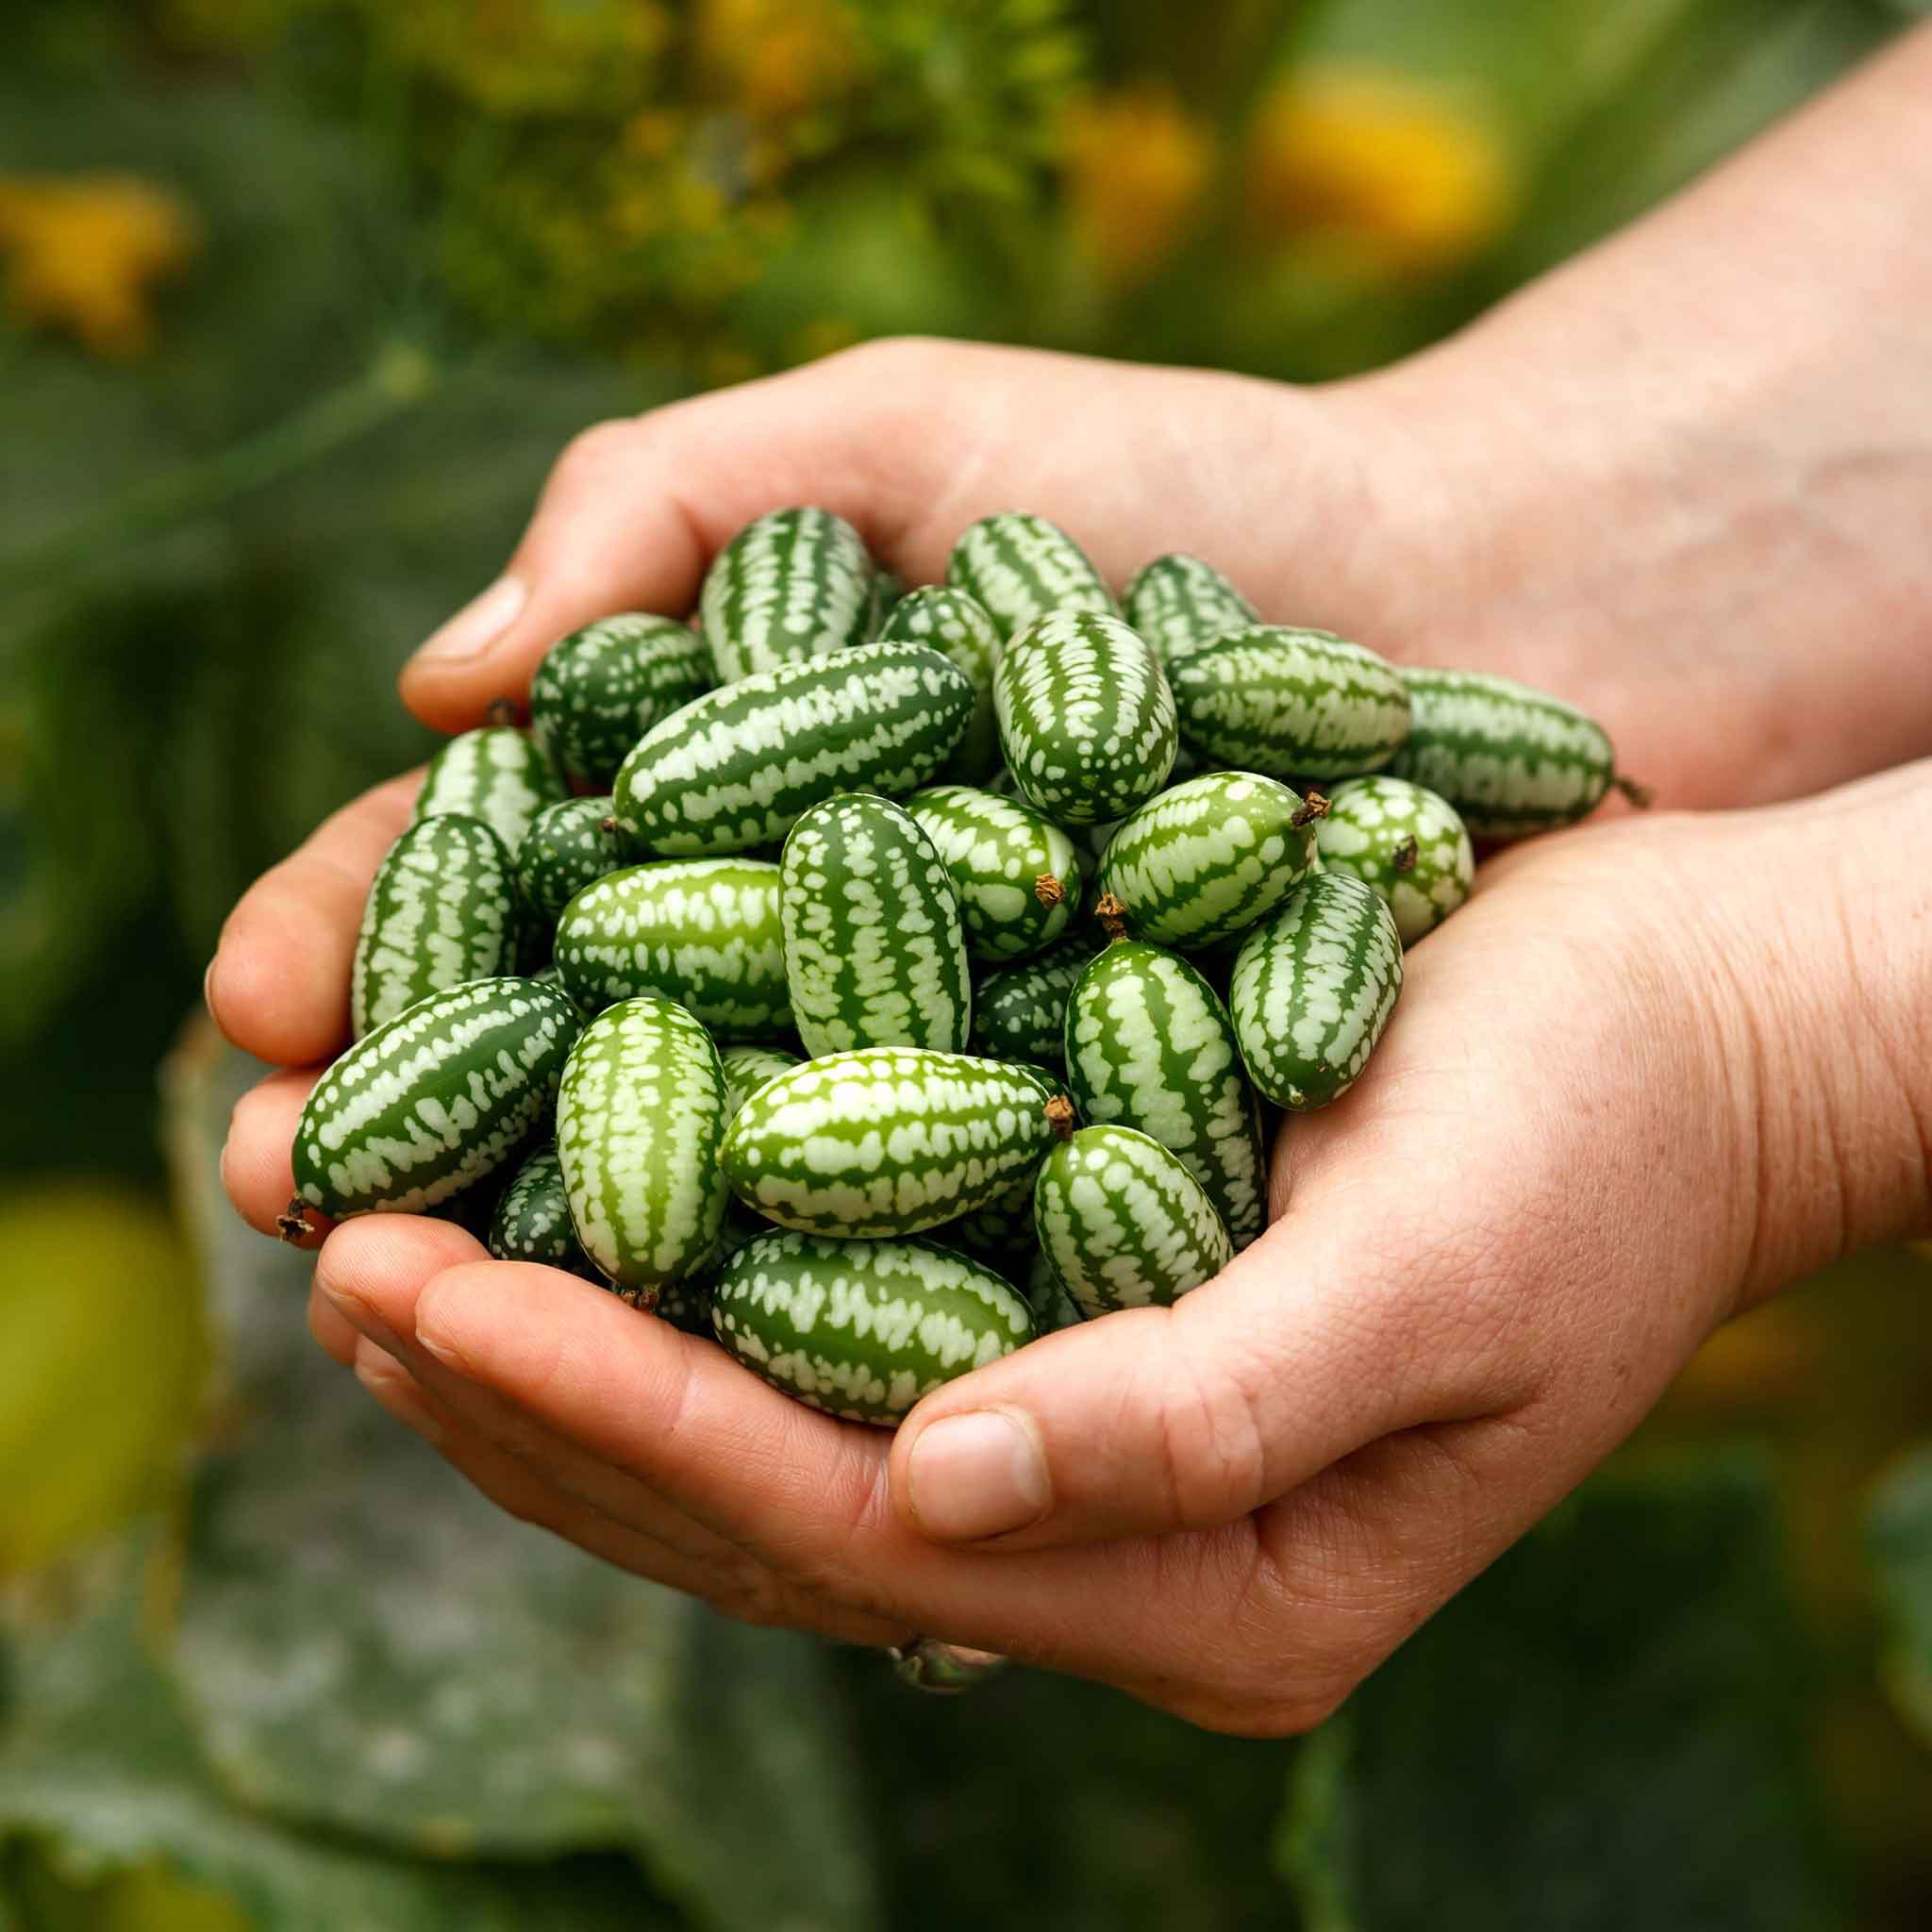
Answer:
(640, 1116)
(1178, 604)
(441, 910)
(496, 774)
(1123, 1224)
(863, 1329)
(532, 1220)
(874, 950)
(1087, 721)
(1312, 989)
(747, 1068)
(1020, 566)
(958, 626)
(568, 846)
(1020, 1012)
(1016, 873)
(791, 585)
(599, 690)
(1405, 841)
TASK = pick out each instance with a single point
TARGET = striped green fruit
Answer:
(747, 1068)
(1087, 721)
(1020, 567)
(1406, 842)
(1208, 858)
(1178, 604)
(496, 774)
(706, 932)
(1313, 987)
(958, 626)
(1149, 1045)
(735, 769)
(1511, 760)
(1020, 1012)
(1290, 703)
(432, 1101)
(1123, 1224)
(1053, 1307)
(600, 689)
(441, 910)
(532, 1220)
(888, 587)
(1017, 874)
(863, 1329)
(875, 951)
(795, 584)
(639, 1115)
(1000, 1235)
(891, 1140)
(568, 846)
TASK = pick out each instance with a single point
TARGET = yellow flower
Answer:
(85, 253)
(775, 59)
(1135, 166)
(1388, 173)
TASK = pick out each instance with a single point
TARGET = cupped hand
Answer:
(1571, 1157)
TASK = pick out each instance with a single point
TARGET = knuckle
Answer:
(1213, 1447)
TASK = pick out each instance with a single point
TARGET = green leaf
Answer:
(366, 1644)
(1898, 1533)
(1606, 1730)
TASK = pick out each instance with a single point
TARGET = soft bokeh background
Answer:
(300, 297)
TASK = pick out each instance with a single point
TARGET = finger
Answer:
(257, 1169)
(337, 1336)
(280, 983)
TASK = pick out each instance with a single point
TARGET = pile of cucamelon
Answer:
(770, 976)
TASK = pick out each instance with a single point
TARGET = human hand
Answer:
(1649, 1072)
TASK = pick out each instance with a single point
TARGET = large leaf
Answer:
(1898, 1531)
(365, 1643)
(1604, 1731)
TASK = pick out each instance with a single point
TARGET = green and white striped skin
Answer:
(1178, 604)
(1312, 990)
(532, 1220)
(1406, 842)
(1017, 874)
(706, 932)
(599, 690)
(568, 846)
(960, 627)
(1020, 567)
(888, 1140)
(888, 587)
(874, 950)
(1053, 1307)
(1150, 1045)
(793, 584)
(429, 1103)
(863, 1329)
(496, 774)
(1020, 1012)
(639, 1115)
(735, 769)
(999, 1235)
(441, 910)
(747, 1068)
(1208, 857)
(1513, 762)
(1087, 721)
(1123, 1224)
(1291, 703)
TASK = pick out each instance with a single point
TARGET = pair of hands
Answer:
(1653, 1068)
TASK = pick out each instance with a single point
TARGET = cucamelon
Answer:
(600, 689)
(1178, 603)
(1406, 842)
(1016, 873)
(795, 584)
(496, 774)
(1020, 566)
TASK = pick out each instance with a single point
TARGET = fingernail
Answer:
(207, 988)
(977, 1474)
(477, 624)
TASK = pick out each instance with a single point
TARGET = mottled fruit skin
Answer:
(958, 626)
(496, 774)
(1178, 604)
(706, 932)
(432, 1102)
(1123, 1224)
(532, 1220)
(1291, 703)
(747, 1068)
(1020, 567)
(1406, 842)
(568, 846)
(1087, 721)
(1017, 874)
(889, 1140)
(874, 949)
(441, 910)
(600, 689)
(639, 1118)
(1020, 1012)
(1150, 1045)
(1208, 858)
(736, 770)
(863, 1329)
(795, 584)
(1312, 989)
(1511, 760)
